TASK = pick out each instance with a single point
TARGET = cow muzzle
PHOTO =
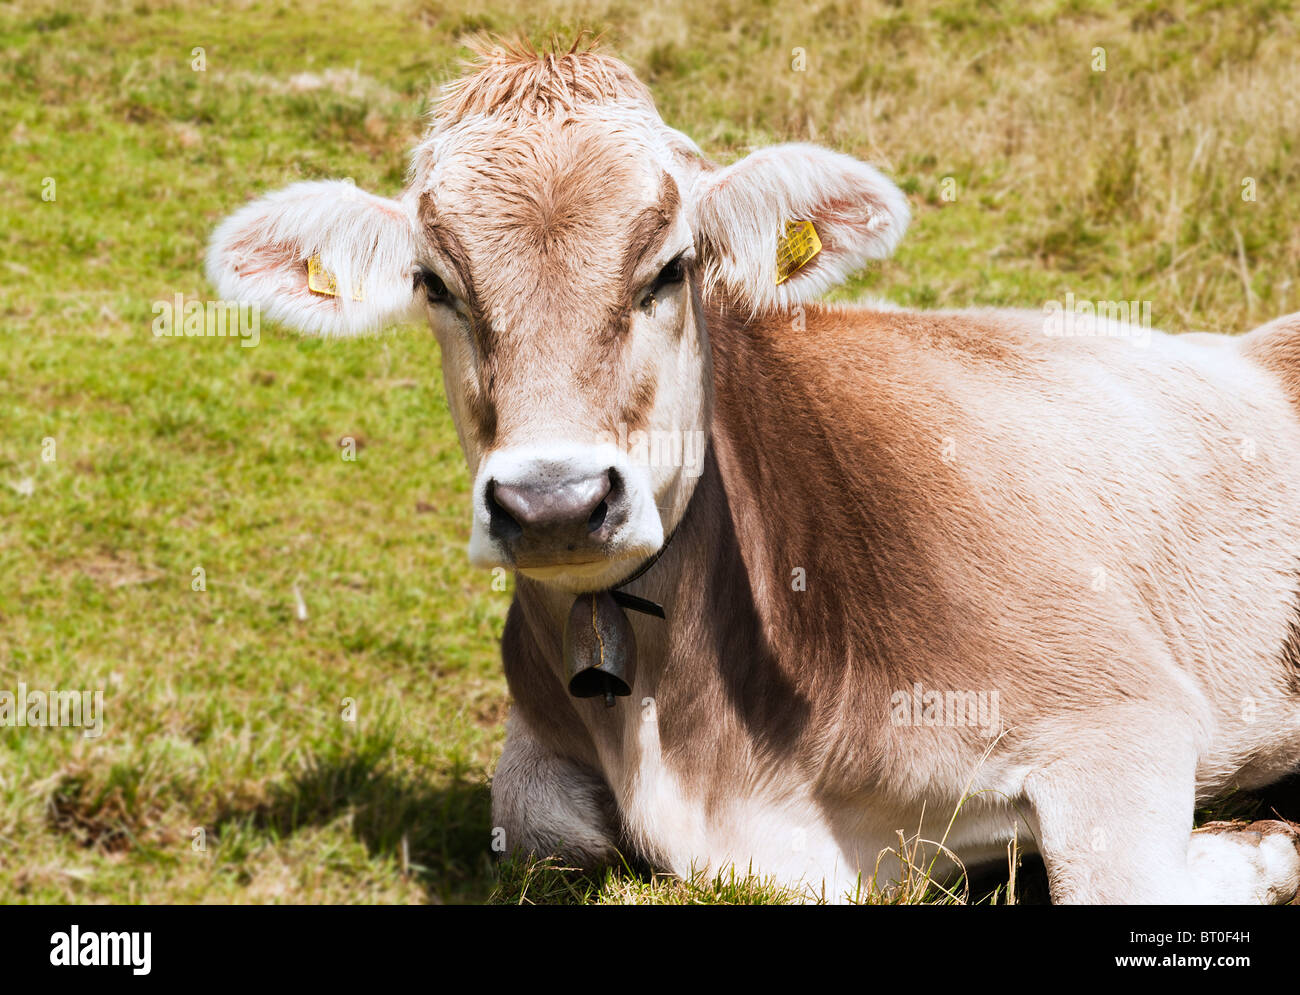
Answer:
(542, 522)
(572, 514)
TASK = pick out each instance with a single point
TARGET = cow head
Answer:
(561, 241)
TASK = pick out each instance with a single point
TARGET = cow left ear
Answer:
(789, 222)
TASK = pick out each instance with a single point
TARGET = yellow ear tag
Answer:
(322, 281)
(796, 249)
(319, 280)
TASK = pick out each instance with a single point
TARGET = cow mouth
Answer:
(551, 568)
(542, 562)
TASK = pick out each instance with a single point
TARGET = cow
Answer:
(954, 573)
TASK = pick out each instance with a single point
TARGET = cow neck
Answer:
(630, 601)
(774, 447)
(818, 463)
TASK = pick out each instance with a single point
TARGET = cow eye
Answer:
(671, 275)
(434, 289)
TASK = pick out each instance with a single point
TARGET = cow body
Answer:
(1100, 529)
(971, 577)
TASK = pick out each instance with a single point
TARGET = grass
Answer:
(228, 770)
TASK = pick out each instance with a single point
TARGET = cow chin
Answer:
(580, 578)
(576, 576)
(577, 518)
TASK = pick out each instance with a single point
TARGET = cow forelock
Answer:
(513, 80)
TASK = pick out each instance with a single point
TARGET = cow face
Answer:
(561, 240)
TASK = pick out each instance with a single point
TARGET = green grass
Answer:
(223, 707)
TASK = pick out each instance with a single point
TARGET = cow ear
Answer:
(324, 258)
(791, 221)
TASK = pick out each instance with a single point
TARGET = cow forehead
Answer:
(536, 210)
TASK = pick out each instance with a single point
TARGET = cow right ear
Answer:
(324, 258)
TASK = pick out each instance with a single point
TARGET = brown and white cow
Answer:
(924, 558)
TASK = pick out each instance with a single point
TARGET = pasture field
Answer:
(227, 769)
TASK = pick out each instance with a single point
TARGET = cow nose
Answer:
(564, 514)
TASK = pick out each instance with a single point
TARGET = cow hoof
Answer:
(1247, 862)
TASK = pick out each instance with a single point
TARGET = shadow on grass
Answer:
(530, 881)
(435, 825)
(988, 883)
(1280, 799)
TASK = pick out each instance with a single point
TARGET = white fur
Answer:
(780, 832)
(740, 211)
(258, 255)
(1244, 867)
(640, 536)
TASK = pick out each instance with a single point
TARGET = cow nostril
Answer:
(615, 496)
(542, 511)
(501, 525)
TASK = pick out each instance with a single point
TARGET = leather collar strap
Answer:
(643, 605)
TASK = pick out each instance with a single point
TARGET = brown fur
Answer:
(511, 79)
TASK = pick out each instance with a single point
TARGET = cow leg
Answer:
(1115, 816)
(548, 805)
(1247, 863)
(1116, 827)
